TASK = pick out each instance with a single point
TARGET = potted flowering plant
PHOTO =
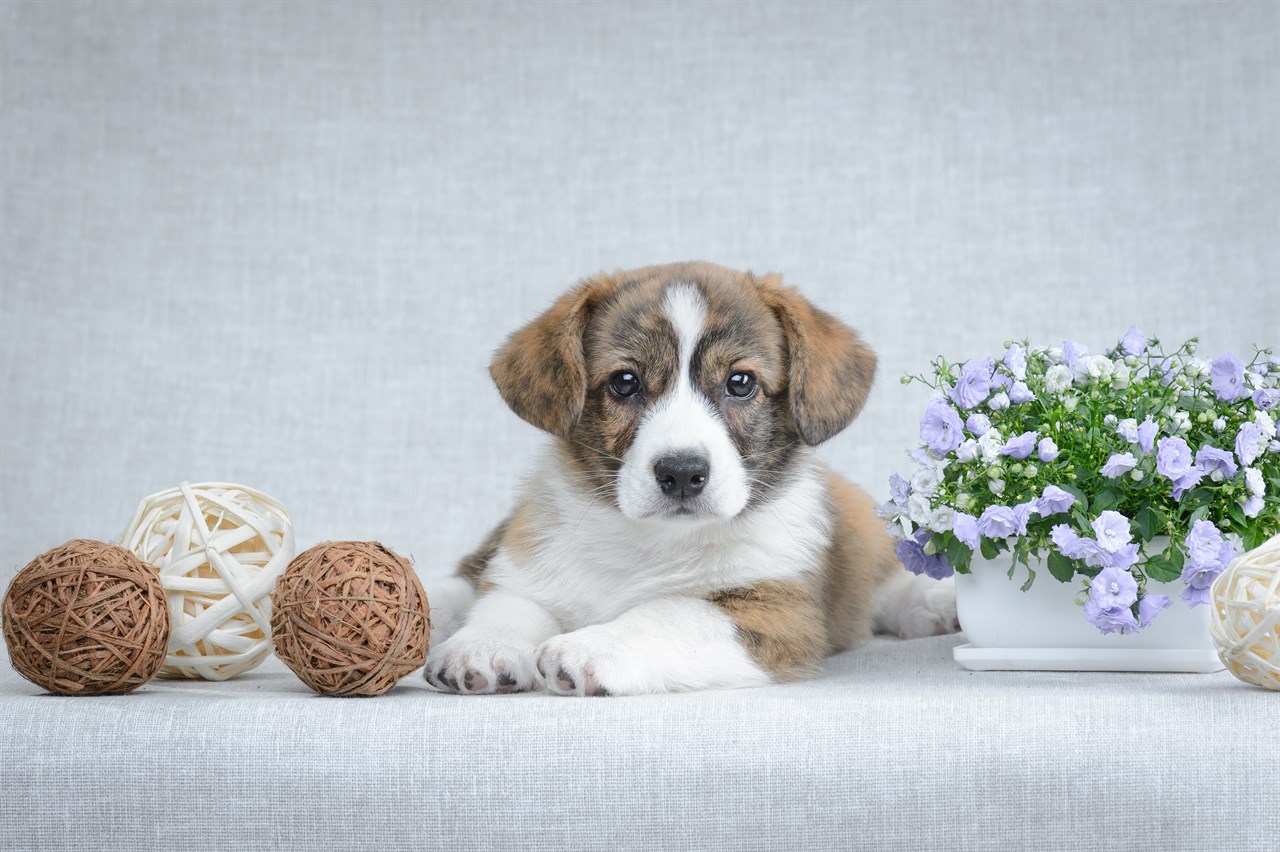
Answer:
(1133, 476)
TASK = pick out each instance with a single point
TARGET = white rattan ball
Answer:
(1245, 622)
(219, 549)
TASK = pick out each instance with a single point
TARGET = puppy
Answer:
(679, 533)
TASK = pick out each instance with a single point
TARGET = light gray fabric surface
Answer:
(893, 747)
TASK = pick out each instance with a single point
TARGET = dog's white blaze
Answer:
(683, 422)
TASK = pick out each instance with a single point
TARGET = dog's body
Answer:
(679, 534)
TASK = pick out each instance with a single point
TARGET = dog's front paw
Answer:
(930, 611)
(579, 663)
(480, 663)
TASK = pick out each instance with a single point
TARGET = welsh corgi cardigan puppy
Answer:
(679, 533)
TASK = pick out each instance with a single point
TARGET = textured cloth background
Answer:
(276, 243)
(893, 747)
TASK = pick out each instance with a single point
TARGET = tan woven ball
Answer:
(1245, 622)
(350, 618)
(86, 618)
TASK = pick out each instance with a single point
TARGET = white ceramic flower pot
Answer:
(1043, 628)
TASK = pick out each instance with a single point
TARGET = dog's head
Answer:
(683, 391)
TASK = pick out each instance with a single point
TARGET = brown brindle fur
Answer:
(814, 374)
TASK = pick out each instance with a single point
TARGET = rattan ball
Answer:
(1245, 621)
(218, 549)
(86, 618)
(350, 618)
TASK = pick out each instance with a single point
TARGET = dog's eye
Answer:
(624, 383)
(741, 384)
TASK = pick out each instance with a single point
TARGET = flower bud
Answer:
(1136, 475)
(1030, 471)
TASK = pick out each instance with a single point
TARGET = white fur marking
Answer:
(683, 422)
(500, 637)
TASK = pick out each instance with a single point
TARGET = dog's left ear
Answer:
(541, 370)
(831, 369)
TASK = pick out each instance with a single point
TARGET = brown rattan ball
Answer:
(350, 618)
(86, 618)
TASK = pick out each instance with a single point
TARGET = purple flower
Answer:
(1020, 447)
(1113, 588)
(1227, 377)
(1147, 434)
(1211, 459)
(1149, 607)
(1015, 358)
(1118, 620)
(1207, 555)
(1186, 482)
(1173, 460)
(1206, 548)
(1047, 450)
(899, 489)
(999, 402)
(998, 522)
(965, 528)
(1071, 545)
(1249, 442)
(1133, 342)
(1000, 381)
(941, 429)
(1252, 506)
(1022, 514)
(1020, 393)
(1118, 465)
(1112, 530)
(974, 383)
(1072, 352)
(978, 424)
(915, 560)
(1053, 501)
(1266, 398)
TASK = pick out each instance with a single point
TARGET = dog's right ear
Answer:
(541, 370)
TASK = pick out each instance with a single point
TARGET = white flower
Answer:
(925, 480)
(1128, 429)
(968, 451)
(940, 519)
(990, 445)
(1265, 423)
(1197, 367)
(1253, 480)
(1098, 366)
(1057, 378)
(1070, 402)
(1054, 354)
(1183, 421)
(964, 501)
(919, 509)
(1120, 378)
(996, 486)
(1219, 424)
(999, 402)
(1110, 420)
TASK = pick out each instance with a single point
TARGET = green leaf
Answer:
(1157, 568)
(1061, 567)
(1253, 537)
(1107, 498)
(989, 549)
(959, 555)
(1146, 522)
(1237, 514)
(1031, 578)
(1198, 514)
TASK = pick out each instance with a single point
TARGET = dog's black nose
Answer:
(682, 476)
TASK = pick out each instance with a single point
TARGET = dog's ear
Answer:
(541, 370)
(831, 369)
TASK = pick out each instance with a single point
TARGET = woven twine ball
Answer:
(350, 618)
(1245, 621)
(86, 618)
(218, 549)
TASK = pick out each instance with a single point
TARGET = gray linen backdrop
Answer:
(276, 243)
